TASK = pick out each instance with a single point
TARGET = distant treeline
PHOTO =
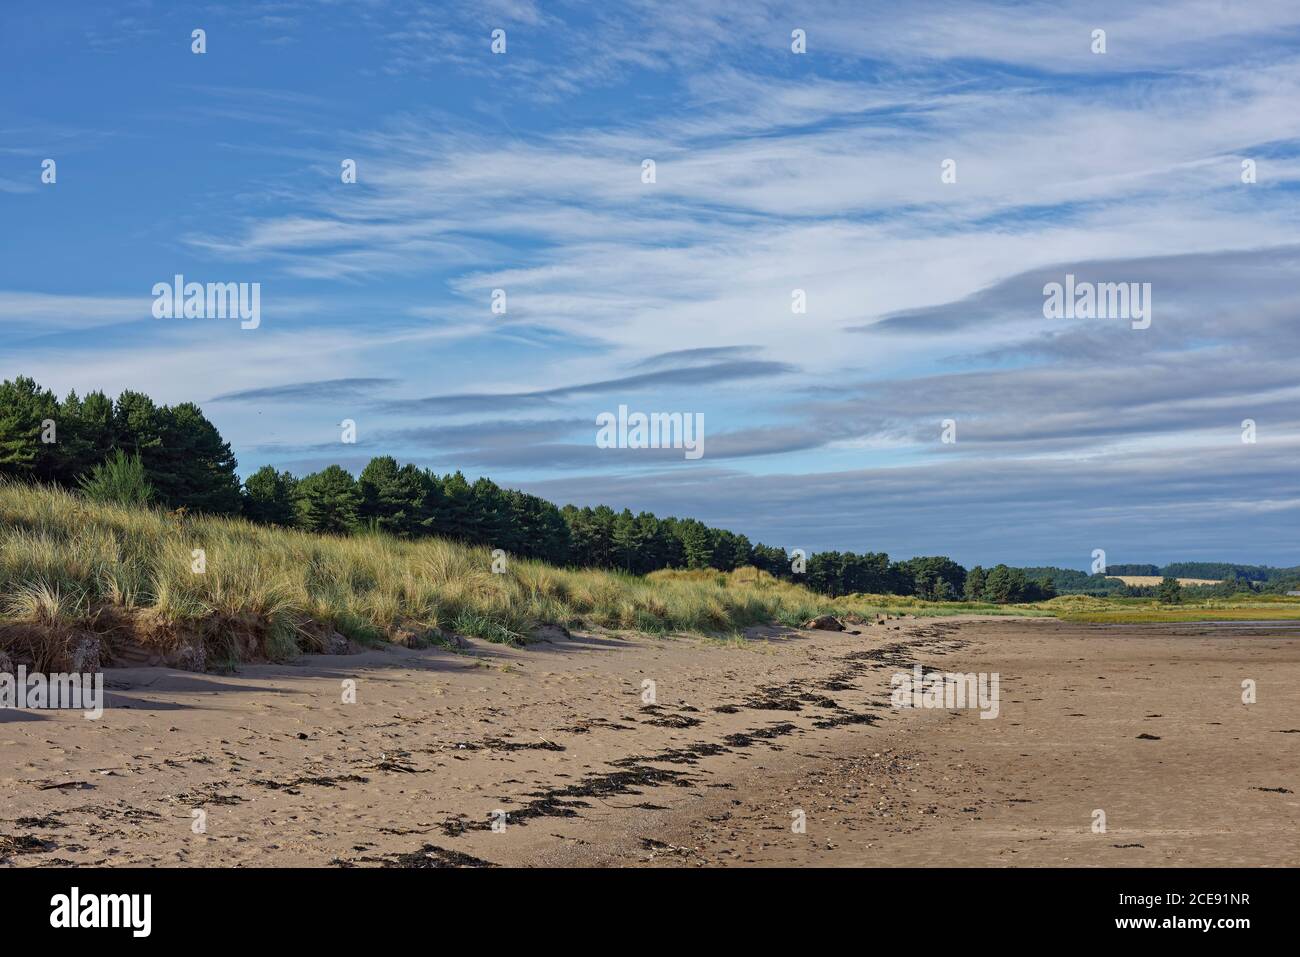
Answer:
(1231, 579)
(1219, 571)
(132, 450)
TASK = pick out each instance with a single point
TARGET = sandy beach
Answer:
(552, 755)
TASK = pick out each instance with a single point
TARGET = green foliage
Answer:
(190, 464)
(625, 539)
(120, 480)
(1170, 591)
(1003, 584)
(1142, 570)
(24, 408)
(1071, 581)
(1232, 578)
(395, 498)
(184, 458)
(455, 518)
(85, 434)
(772, 560)
(846, 573)
(269, 497)
(538, 529)
(697, 544)
(329, 501)
(933, 576)
(1223, 571)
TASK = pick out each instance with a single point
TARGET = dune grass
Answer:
(66, 561)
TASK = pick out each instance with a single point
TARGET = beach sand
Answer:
(744, 740)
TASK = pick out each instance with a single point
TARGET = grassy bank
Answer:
(75, 574)
(82, 583)
(1083, 608)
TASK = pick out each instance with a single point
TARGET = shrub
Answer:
(118, 480)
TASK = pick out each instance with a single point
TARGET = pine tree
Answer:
(601, 531)
(85, 434)
(24, 408)
(183, 458)
(697, 544)
(1002, 585)
(652, 543)
(269, 497)
(456, 517)
(431, 511)
(773, 560)
(491, 515)
(329, 501)
(1170, 591)
(742, 551)
(824, 572)
(581, 535)
(393, 497)
(625, 542)
(190, 465)
(136, 427)
(540, 528)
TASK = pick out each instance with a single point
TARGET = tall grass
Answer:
(66, 557)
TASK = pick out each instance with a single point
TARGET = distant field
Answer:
(1157, 579)
(1083, 608)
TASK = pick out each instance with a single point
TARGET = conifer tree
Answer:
(329, 501)
(269, 497)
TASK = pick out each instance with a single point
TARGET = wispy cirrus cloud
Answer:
(776, 175)
(36, 311)
(305, 391)
(712, 374)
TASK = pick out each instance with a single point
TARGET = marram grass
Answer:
(67, 562)
(69, 565)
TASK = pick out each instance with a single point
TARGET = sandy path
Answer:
(557, 736)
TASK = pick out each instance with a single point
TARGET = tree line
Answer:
(1241, 577)
(131, 449)
(186, 461)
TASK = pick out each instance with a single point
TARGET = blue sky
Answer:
(775, 171)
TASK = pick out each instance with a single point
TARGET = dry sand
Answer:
(741, 738)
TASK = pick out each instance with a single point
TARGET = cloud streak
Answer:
(711, 374)
(779, 179)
